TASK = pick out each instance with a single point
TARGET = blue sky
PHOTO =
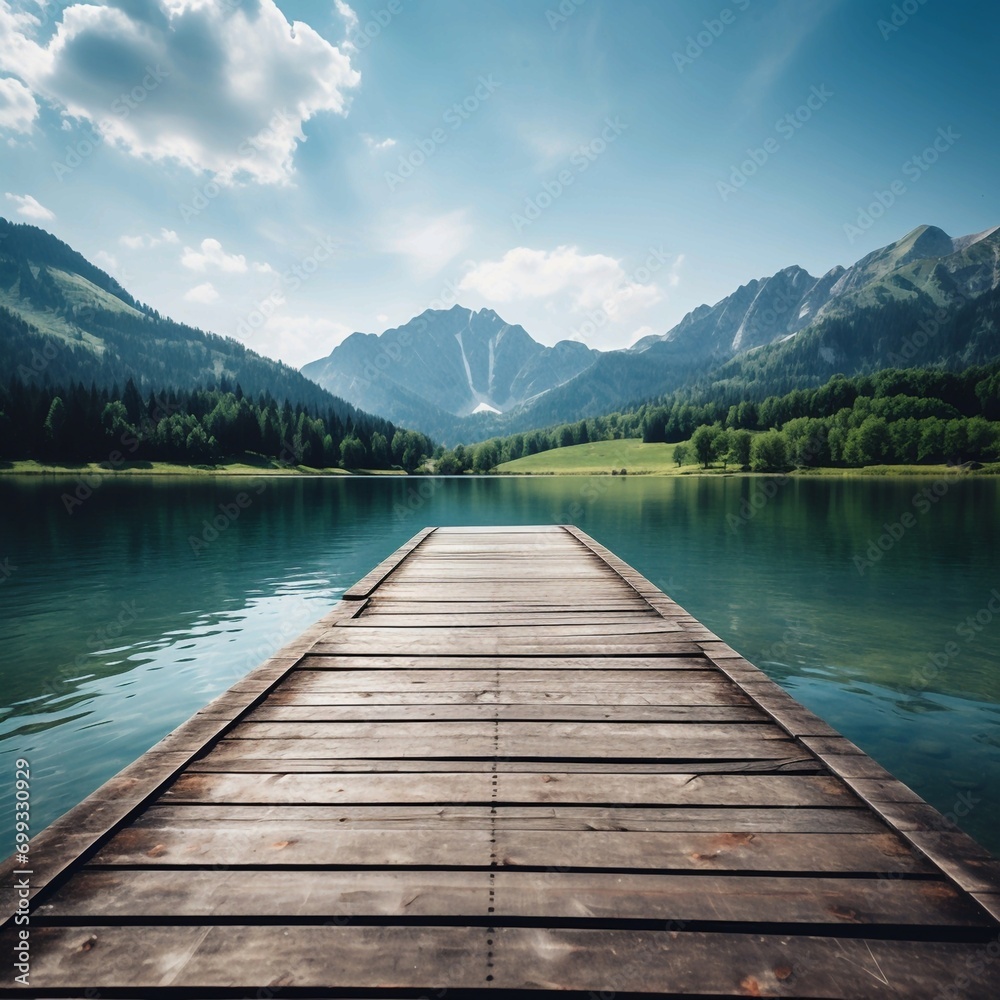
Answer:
(290, 172)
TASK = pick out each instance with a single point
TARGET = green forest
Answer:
(894, 416)
(201, 426)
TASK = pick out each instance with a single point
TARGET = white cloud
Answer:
(142, 242)
(205, 294)
(347, 13)
(18, 108)
(382, 318)
(29, 208)
(585, 282)
(217, 87)
(297, 340)
(378, 145)
(429, 242)
(211, 255)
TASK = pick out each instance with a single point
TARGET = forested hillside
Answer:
(74, 423)
(915, 415)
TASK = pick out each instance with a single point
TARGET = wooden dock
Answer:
(506, 761)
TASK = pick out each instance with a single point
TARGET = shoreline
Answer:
(32, 469)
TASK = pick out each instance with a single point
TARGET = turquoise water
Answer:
(875, 602)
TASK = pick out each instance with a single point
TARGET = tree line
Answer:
(897, 415)
(198, 426)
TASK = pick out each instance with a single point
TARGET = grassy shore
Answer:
(596, 458)
(63, 469)
(637, 458)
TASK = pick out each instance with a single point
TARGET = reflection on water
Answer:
(124, 618)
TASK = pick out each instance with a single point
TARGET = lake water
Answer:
(875, 602)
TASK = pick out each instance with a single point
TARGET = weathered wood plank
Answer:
(494, 618)
(715, 748)
(452, 845)
(522, 625)
(511, 734)
(521, 958)
(704, 897)
(552, 786)
(441, 642)
(612, 603)
(216, 761)
(288, 708)
(595, 695)
(308, 824)
(406, 662)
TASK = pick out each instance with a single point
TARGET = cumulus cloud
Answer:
(585, 281)
(347, 13)
(147, 241)
(29, 208)
(204, 294)
(217, 87)
(18, 108)
(211, 255)
(378, 145)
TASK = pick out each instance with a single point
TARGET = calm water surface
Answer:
(113, 630)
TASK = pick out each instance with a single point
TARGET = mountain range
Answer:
(463, 375)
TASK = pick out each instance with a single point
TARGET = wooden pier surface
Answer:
(506, 761)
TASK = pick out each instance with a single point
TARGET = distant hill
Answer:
(770, 335)
(62, 319)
